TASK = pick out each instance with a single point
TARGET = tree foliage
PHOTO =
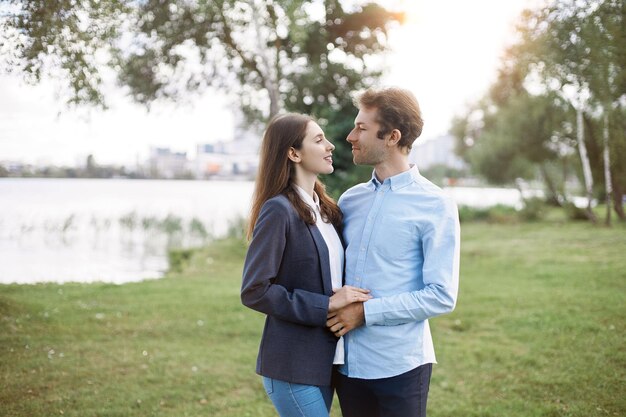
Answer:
(570, 56)
(275, 54)
(305, 56)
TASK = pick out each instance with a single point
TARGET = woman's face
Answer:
(316, 151)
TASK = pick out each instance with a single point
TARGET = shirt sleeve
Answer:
(441, 246)
(263, 260)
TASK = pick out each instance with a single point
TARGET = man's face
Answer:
(367, 149)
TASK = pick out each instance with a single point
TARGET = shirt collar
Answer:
(397, 181)
(313, 202)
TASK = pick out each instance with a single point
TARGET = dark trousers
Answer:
(403, 395)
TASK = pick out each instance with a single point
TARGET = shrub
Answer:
(468, 214)
(534, 209)
(179, 258)
(495, 214)
(573, 212)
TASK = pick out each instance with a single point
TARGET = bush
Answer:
(573, 212)
(468, 214)
(534, 209)
(495, 214)
(179, 258)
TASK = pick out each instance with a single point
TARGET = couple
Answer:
(369, 339)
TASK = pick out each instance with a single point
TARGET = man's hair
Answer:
(397, 109)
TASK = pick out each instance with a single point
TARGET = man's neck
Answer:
(390, 167)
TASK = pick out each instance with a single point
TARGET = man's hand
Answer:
(350, 317)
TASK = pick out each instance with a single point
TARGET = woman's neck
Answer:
(306, 182)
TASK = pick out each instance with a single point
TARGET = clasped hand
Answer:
(345, 310)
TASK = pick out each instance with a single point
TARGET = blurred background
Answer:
(129, 137)
(104, 104)
(524, 103)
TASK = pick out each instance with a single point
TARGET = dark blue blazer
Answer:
(286, 275)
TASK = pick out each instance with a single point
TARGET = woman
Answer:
(294, 261)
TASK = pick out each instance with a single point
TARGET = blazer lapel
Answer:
(322, 251)
(343, 247)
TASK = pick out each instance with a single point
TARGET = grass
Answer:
(538, 331)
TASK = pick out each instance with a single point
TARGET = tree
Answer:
(510, 135)
(166, 49)
(570, 57)
(578, 49)
(294, 55)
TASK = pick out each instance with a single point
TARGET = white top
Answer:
(335, 254)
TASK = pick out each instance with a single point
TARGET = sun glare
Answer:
(447, 51)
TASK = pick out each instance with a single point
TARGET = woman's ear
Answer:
(293, 155)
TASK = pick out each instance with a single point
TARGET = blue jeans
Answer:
(297, 400)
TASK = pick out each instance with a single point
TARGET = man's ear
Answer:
(293, 155)
(394, 137)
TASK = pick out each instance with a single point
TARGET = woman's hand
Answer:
(347, 295)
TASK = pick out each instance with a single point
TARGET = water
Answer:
(62, 230)
(86, 230)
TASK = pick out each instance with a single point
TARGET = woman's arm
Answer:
(263, 260)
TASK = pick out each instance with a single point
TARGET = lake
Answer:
(118, 230)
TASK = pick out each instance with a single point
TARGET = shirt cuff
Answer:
(373, 311)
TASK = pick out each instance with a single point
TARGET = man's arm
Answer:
(441, 246)
(440, 272)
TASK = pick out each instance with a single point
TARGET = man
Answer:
(402, 236)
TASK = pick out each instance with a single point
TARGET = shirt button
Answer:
(362, 249)
(358, 279)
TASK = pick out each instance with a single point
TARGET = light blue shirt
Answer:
(403, 241)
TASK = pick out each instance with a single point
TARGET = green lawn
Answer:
(538, 331)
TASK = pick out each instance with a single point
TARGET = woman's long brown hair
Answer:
(277, 172)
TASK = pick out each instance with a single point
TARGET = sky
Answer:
(446, 53)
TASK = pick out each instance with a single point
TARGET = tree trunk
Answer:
(607, 169)
(565, 176)
(554, 197)
(584, 158)
(270, 76)
(618, 203)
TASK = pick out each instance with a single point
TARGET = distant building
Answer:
(163, 163)
(436, 151)
(15, 167)
(236, 158)
(226, 159)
